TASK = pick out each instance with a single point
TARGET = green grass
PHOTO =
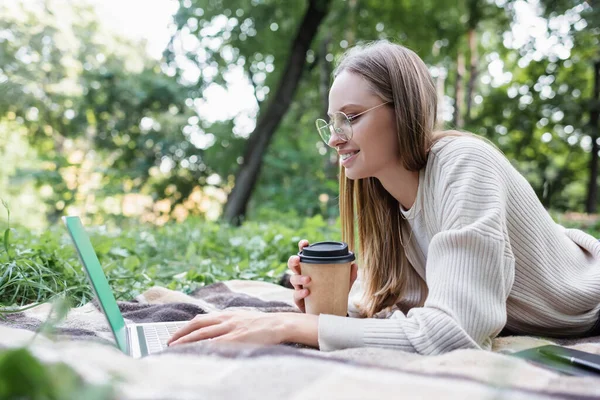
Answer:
(181, 256)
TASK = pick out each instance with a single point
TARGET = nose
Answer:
(335, 140)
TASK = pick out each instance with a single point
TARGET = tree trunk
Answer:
(473, 72)
(592, 198)
(459, 90)
(267, 124)
(557, 184)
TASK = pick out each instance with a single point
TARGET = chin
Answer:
(355, 175)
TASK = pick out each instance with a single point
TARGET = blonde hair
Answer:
(398, 75)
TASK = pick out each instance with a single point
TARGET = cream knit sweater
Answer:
(495, 258)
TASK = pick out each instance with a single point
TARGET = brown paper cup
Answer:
(329, 287)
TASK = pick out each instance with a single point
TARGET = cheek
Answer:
(381, 145)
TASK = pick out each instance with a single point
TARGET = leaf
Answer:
(60, 309)
(23, 376)
(6, 240)
(248, 275)
(118, 251)
(131, 263)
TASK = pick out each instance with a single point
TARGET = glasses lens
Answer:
(340, 125)
(324, 130)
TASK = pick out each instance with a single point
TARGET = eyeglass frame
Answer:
(349, 119)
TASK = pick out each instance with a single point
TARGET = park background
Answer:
(182, 132)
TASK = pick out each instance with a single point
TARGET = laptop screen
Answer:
(98, 280)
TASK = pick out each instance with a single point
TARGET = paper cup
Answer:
(329, 265)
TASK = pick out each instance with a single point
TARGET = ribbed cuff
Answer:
(336, 333)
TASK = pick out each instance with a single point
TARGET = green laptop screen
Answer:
(104, 293)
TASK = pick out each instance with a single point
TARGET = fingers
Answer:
(294, 264)
(198, 322)
(299, 295)
(299, 302)
(302, 244)
(208, 332)
(298, 281)
(294, 261)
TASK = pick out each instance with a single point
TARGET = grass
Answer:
(34, 268)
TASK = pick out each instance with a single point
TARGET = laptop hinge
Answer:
(142, 340)
(133, 342)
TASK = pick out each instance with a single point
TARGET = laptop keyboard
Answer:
(158, 335)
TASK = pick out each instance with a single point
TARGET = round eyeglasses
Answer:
(340, 124)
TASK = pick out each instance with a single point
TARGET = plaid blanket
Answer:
(223, 371)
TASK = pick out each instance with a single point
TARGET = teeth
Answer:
(348, 155)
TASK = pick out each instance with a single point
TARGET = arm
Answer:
(470, 267)
(465, 308)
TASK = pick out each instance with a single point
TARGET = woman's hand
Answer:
(298, 280)
(232, 326)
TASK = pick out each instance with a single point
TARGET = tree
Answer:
(102, 116)
(367, 19)
(106, 121)
(586, 46)
(269, 121)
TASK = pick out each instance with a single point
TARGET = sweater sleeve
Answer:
(470, 268)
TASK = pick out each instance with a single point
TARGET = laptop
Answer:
(136, 340)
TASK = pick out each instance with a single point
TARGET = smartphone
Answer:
(536, 356)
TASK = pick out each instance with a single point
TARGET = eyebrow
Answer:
(347, 106)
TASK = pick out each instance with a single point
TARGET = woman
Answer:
(454, 244)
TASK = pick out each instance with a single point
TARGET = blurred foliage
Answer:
(23, 376)
(103, 118)
(540, 118)
(180, 256)
(91, 125)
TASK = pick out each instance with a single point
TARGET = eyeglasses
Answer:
(340, 124)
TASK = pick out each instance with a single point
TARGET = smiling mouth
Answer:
(348, 155)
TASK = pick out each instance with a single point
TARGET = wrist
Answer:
(300, 328)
